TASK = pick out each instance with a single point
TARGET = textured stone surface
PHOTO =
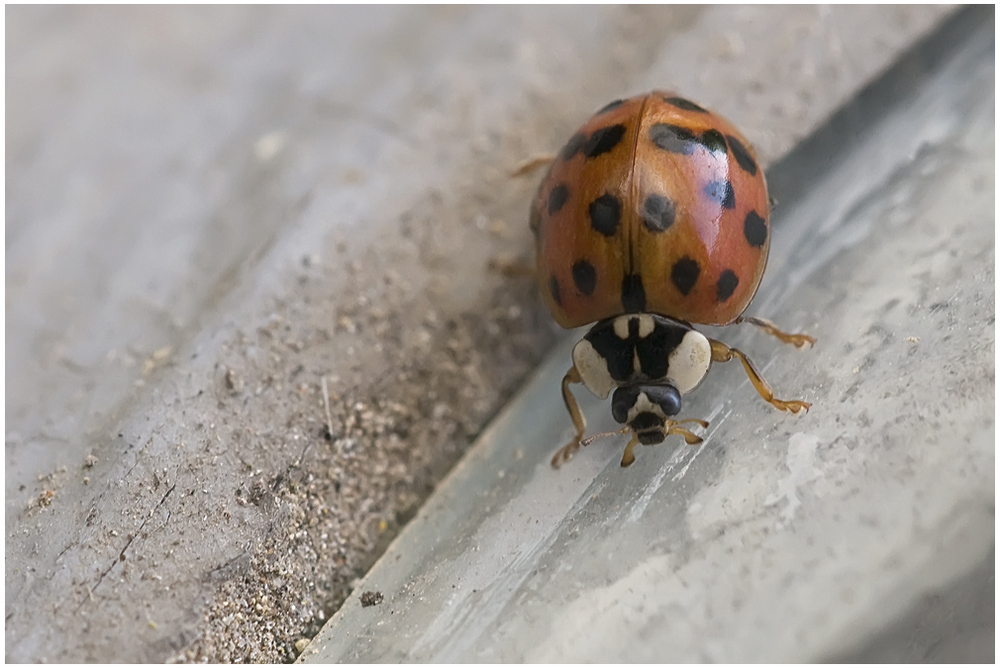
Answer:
(211, 212)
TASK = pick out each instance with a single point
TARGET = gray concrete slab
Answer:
(211, 212)
(861, 531)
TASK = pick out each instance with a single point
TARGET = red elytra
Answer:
(655, 205)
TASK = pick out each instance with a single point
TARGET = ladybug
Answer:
(653, 217)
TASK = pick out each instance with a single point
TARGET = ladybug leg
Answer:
(690, 438)
(531, 164)
(628, 456)
(797, 340)
(512, 268)
(723, 353)
(580, 422)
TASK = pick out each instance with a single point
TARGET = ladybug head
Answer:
(646, 409)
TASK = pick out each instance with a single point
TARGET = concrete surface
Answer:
(863, 531)
(213, 213)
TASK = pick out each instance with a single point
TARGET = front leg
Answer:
(723, 353)
(531, 164)
(580, 422)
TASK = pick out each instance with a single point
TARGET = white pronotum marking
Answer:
(593, 369)
(689, 362)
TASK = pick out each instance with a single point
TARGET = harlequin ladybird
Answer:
(653, 216)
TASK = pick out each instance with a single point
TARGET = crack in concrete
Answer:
(131, 539)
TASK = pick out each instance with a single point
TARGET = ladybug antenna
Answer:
(590, 439)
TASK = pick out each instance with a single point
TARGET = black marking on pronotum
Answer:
(652, 350)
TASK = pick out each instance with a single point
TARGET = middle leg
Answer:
(723, 353)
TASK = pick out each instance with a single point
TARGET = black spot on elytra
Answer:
(672, 138)
(584, 276)
(721, 192)
(686, 105)
(603, 140)
(574, 144)
(755, 229)
(658, 213)
(678, 139)
(554, 290)
(605, 214)
(726, 285)
(742, 155)
(713, 141)
(557, 198)
(609, 106)
(633, 294)
(684, 274)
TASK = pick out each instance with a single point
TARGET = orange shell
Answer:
(654, 205)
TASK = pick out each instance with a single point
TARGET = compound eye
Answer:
(667, 397)
(622, 401)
